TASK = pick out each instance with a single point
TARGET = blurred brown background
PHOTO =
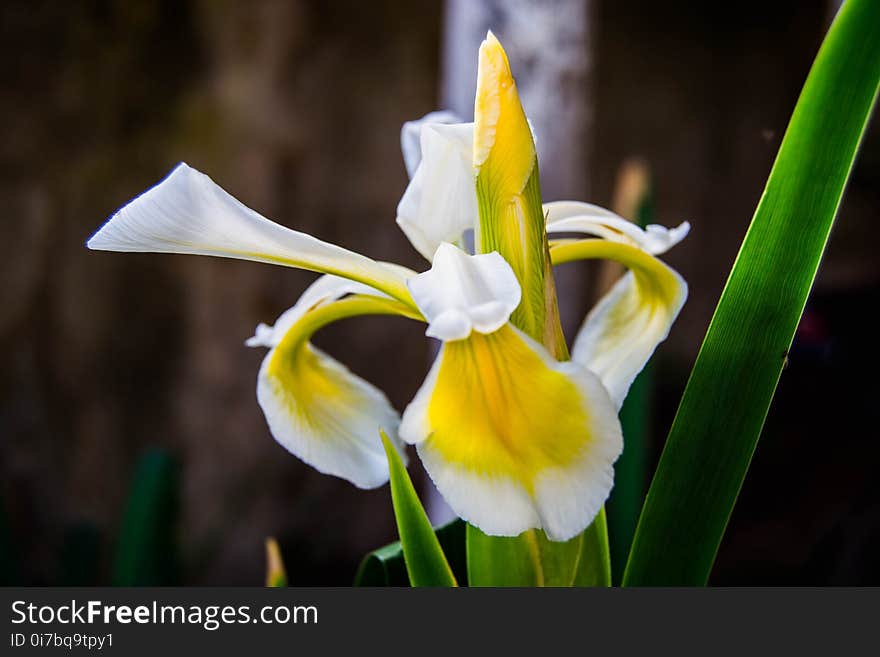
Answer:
(295, 108)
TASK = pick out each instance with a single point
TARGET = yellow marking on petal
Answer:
(384, 280)
(498, 411)
(310, 380)
(319, 410)
(657, 278)
(622, 331)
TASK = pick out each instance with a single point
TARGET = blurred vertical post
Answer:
(549, 46)
(634, 200)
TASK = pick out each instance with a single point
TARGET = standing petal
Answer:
(440, 202)
(189, 213)
(411, 137)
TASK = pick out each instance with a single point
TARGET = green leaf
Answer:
(383, 567)
(145, 553)
(530, 559)
(727, 397)
(386, 567)
(425, 562)
(594, 564)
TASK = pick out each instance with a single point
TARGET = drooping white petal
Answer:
(315, 407)
(325, 415)
(622, 331)
(463, 293)
(513, 439)
(440, 202)
(577, 217)
(411, 137)
(188, 213)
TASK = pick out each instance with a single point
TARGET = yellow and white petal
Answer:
(318, 409)
(187, 212)
(325, 415)
(463, 293)
(514, 439)
(440, 202)
(325, 289)
(577, 217)
(622, 331)
(411, 137)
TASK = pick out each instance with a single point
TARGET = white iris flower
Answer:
(513, 437)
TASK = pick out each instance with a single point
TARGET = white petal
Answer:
(513, 439)
(188, 213)
(325, 415)
(324, 289)
(440, 202)
(623, 330)
(411, 137)
(577, 217)
(462, 292)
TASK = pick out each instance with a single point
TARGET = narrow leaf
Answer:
(145, 554)
(594, 564)
(276, 575)
(425, 561)
(727, 397)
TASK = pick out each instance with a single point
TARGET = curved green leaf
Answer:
(727, 397)
(424, 558)
(386, 567)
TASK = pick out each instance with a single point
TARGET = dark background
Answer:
(295, 108)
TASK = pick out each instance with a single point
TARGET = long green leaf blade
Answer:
(425, 561)
(727, 397)
(145, 553)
